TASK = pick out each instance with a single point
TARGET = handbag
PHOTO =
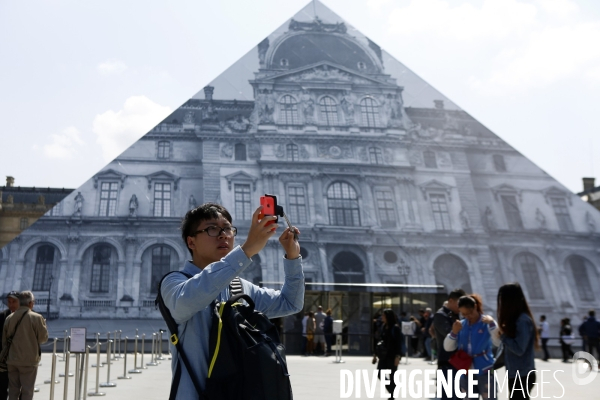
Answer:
(461, 360)
(381, 349)
(5, 350)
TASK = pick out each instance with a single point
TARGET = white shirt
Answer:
(545, 334)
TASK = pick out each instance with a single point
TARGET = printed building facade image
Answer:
(400, 195)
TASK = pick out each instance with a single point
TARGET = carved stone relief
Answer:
(254, 151)
(226, 150)
(443, 159)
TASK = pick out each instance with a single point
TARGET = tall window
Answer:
(499, 164)
(529, 266)
(297, 204)
(561, 211)
(511, 209)
(164, 149)
(375, 155)
(101, 269)
(288, 114)
(108, 199)
(343, 205)
(56, 211)
(385, 206)
(162, 199)
(429, 159)
(369, 112)
(242, 202)
(439, 207)
(24, 223)
(161, 265)
(240, 152)
(44, 261)
(329, 114)
(291, 152)
(582, 279)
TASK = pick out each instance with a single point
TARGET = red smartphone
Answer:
(269, 203)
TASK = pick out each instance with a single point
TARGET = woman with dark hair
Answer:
(388, 348)
(475, 335)
(311, 327)
(520, 337)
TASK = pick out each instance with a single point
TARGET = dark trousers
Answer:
(446, 370)
(592, 343)
(329, 341)
(390, 388)
(567, 352)
(545, 348)
(3, 385)
(519, 391)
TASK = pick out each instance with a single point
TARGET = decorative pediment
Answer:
(436, 186)
(323, 71)
(554, 191)
(162, 176)
(508, 190)
(241, 176)
(109, 174)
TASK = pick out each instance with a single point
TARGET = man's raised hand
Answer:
(259, 233)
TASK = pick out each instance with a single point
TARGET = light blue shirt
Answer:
(189, 301)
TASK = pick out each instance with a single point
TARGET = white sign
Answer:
(77, 342)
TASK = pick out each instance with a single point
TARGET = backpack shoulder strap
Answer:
(235, 287)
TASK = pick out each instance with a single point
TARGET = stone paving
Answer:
(312, 378)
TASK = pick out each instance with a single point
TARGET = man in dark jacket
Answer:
(12, 300)
(442, 324)
(590, 330)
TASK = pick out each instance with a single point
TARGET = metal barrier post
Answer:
(107, 349)
(120, 332)
(108, 383)
(77, 377)
(160, 345)
(66, 389)
(142, 366)
(98, 363)
(64, 347)
(97, 392)
(53, 372)
(85, 376)
(53, 376)
(67, 341)
(114, 348)
(152, 362)
(124, 363)
(134, 370)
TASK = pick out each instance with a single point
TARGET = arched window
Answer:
(451, 272)
(288, 112)
(370, 112)
(101, 261)
(375, 155)
(329, 115)
(348, 268)
(579, 270)
(44, 261)
(291, 152)
(529, 264)
(343, 205)
(161, 265)
(240, 152)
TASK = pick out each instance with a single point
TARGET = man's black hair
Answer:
(194, 217)
(592, 313)
(456, 294)
(542, 317)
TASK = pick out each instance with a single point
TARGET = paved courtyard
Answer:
(312, 378)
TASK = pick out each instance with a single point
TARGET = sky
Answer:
(82, 81)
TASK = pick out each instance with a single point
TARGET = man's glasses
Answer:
(214, 231)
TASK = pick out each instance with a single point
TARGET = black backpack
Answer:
(246, 357)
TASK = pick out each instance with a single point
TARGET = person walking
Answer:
(310, 333)
(566, 339)
(591, 333)
(519, 337)
(475, 335)
(388, 349)
(319, 337)
(443, 320)
(328, 331)
(12, 301)
(28, 331)
(544, 331)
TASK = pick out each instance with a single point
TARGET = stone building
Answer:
(20, 207)
(400, 195)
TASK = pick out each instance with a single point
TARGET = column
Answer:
(368, 204)
(371, 272)
(319, 198)
(327, 275)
